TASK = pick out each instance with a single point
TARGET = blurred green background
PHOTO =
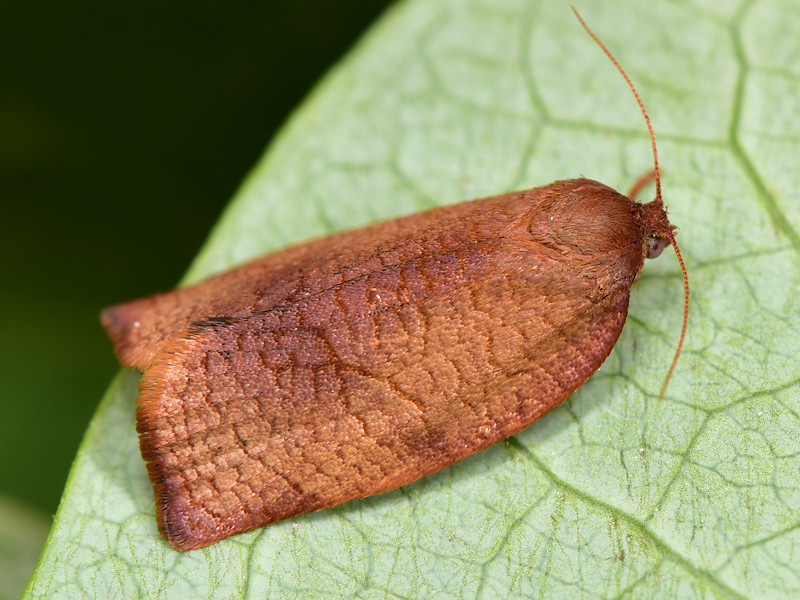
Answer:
(124, 129)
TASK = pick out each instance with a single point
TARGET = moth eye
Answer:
(655, 246)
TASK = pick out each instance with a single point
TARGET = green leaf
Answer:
(22, 534)
(615, 493)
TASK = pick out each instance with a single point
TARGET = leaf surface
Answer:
(615, 493)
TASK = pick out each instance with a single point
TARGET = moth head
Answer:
(655, 245)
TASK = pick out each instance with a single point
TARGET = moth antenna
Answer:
(656, 169)
(656, 174)
(639, 184)
(685, 324)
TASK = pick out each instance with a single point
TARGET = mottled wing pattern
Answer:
(359, 389)
(358, 363)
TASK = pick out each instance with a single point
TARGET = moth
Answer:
(354, 364)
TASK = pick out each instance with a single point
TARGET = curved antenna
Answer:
(685, 316)
(622, 72)
(656, 173)
(639, 184)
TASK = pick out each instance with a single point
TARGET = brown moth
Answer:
(358, 363)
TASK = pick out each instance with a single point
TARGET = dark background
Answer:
(124, 129)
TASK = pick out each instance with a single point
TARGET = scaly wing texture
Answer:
(597, 222)
(139, 327)
(364, 387)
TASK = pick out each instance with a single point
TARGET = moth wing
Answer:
(139, 328)
(244, 422)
